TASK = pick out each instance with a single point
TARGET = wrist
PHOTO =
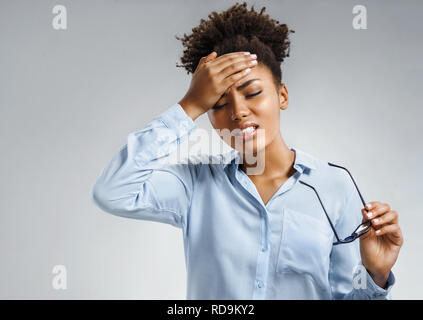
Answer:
(192, 111)
(380, 278)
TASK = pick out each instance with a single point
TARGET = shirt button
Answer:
(260, 284)
(263, 249)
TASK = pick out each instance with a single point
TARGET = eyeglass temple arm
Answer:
(330, 222)
(361, 197)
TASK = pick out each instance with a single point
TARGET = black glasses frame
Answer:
(363, 228)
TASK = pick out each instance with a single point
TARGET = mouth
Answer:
(247, 133)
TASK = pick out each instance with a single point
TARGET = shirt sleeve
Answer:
(140, 183)
(348, 277)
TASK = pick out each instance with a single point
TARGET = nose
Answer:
(239, 108)
(239, 111)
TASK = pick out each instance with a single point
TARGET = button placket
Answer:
(263, 217)
(261, 273)
(263, 253)
(266, 231)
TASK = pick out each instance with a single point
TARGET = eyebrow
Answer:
(242, 86)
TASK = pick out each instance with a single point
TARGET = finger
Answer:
(364, 212)
(229, 56)
(234, 64)
(378, 209)
(393, 229)
(229, 81)
(210, 57)
(237, 67)
(224, 61)
(237, 83)
(391, 217)
(372, 204)
(205, 59)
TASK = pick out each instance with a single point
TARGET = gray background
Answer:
(69, 99)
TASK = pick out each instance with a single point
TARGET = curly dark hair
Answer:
(238, 29)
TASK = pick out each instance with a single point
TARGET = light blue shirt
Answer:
(235, 246)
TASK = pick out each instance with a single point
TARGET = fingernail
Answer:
(253, 55)
(368, 206)
(369, 214)
(377, 231)
(376, 221)
(246, 53)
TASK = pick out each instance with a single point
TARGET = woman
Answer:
(273, 235)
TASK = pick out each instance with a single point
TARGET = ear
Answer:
(283, 96)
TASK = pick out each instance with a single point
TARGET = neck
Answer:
(278, 160)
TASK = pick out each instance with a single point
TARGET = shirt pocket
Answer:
(305, 246)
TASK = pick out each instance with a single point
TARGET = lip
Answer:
(247, 124)
(248, 135)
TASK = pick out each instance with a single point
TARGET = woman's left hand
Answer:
(379, 247)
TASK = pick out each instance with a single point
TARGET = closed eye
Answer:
(254, 94)
(249, 96)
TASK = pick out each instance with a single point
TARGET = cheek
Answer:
(218, 120)
(220, 125)
(272, 130)
(269, 118)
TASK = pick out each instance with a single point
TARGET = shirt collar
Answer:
(302, 160)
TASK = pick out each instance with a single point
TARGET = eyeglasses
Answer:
(363, 228)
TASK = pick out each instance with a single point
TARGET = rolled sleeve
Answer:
(377, 293)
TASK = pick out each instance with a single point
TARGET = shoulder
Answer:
(331, 176)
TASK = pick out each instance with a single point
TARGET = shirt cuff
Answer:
(175, 118)
(377, 292)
